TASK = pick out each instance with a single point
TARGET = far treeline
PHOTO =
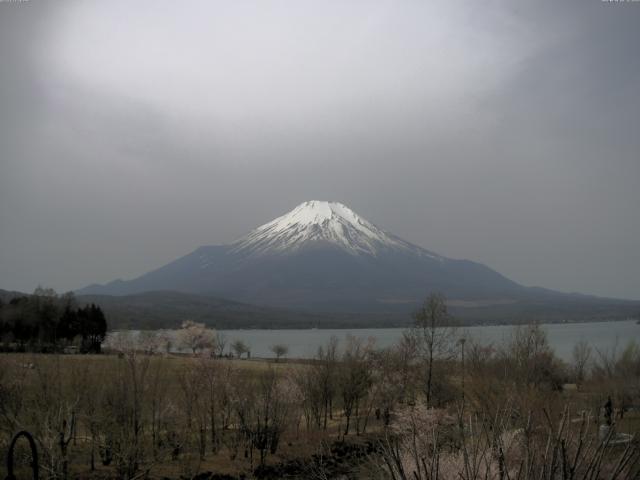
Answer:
(168, 309)
(48, 322)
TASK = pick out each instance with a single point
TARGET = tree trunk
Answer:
(326, 412)
(429, 376)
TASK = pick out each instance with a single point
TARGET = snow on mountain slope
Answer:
(323, 222)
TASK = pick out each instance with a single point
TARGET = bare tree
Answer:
(279, 350)
(530, 359)
(393, 377)
(56, 415)
(326, 370)
(581, 357)
(617, 372)
(263, 408)
(318, 384)
(123, 423)
(157, 403)
(215, 381)
(434, 333)
(220, 345)
(406, 352)
(240, 348)
(193, 435)
(310, 391)
(355, 379)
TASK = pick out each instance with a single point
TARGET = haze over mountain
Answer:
(323, 256)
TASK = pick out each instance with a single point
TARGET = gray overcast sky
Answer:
(503, 132)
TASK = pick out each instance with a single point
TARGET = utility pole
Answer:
(462, 342)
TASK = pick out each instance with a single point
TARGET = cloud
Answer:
(501, 132)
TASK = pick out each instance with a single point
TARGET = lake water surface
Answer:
(603, 336)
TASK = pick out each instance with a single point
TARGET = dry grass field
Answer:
(357, 412)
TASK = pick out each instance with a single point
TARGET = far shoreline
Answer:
(378, 327)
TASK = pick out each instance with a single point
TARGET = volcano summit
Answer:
(318, 223)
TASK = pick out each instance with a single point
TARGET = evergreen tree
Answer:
(68, 325)
(45, 321)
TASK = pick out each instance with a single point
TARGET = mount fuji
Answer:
(322, 256)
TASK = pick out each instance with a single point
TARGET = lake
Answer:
(603, 336)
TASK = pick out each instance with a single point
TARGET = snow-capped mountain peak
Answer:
(320, 255)
(318, 222)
